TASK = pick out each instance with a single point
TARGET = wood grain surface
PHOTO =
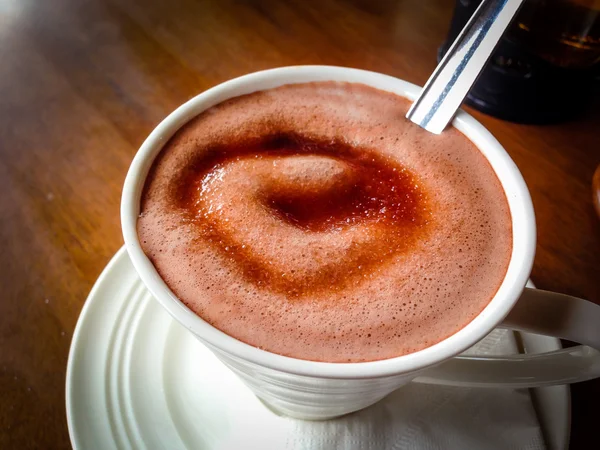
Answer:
(83, 82)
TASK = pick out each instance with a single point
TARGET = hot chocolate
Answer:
(314, 221)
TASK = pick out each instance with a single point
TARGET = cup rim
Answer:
(517, 194)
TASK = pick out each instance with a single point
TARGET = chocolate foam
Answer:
(315, 221)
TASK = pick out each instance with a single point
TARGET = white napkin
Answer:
(415, 417)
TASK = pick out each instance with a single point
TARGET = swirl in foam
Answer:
(314, 221)
(304, 194)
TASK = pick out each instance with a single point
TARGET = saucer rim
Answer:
(540, 396)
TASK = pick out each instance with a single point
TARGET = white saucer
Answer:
(131, 385)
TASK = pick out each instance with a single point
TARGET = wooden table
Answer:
(82, 82)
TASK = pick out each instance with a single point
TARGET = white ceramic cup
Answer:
(320, 390)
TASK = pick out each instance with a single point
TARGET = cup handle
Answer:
(539, 312)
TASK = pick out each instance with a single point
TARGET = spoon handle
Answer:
(455, 74)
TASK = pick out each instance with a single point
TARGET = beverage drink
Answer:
(314, 221)
(176, 240)
(544, 67)
(565, 33)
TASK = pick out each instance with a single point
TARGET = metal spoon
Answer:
(455, 74)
